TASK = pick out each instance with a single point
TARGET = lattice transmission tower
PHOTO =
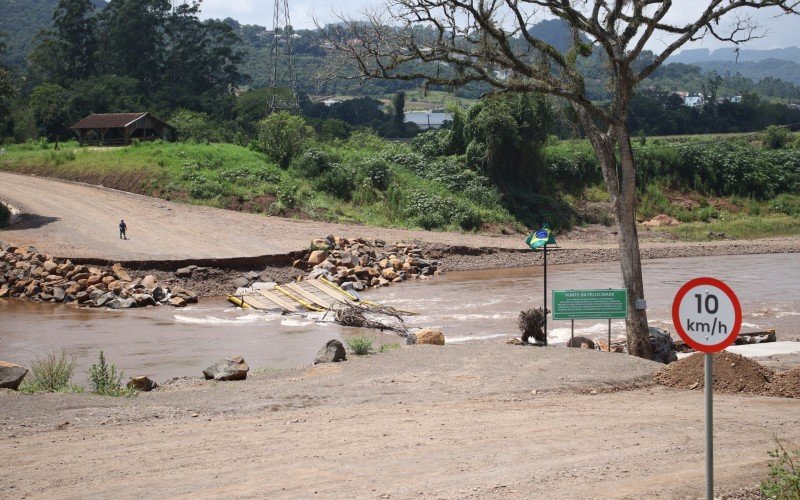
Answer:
(282, 79)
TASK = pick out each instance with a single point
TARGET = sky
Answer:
(782, 31)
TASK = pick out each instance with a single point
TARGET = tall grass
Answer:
(105, 380)
(50, 373)
(737, 227)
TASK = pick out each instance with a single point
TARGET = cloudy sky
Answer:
(782, 31)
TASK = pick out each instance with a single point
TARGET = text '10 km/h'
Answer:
(711, 305)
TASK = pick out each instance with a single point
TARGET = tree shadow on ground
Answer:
(30, 221)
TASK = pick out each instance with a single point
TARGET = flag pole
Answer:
(545, 295)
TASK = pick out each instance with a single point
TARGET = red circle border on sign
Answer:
(737, 309)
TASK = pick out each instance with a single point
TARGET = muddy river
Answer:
(469, 306)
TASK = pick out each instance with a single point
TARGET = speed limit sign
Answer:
(707, 314)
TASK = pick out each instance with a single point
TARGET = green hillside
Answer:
(21, 20)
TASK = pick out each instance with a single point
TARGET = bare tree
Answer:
(489, 41)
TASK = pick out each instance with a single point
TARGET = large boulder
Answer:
(317, 257)
(582, 342)
(662, 346)
(429, 336)
(141, 384)
(149, 282)
(332, 352)
(241, 282)
(227, 369)
(11, 375)
(120, 273)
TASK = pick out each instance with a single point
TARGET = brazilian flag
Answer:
(540, 238)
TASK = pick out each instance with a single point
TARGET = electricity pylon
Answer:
(282, 80)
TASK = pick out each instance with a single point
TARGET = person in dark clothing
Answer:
(122, 228)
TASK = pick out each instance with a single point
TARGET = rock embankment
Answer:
(27, 273)
(360, 263)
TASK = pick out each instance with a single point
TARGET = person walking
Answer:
(122, 229)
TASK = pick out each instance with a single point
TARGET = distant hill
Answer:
(694, 56)
(20, 20)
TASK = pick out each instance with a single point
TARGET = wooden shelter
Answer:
(119, 129)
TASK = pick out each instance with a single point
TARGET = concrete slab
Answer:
(760, 350)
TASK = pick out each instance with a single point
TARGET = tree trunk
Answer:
(621, 185)
(630, 257)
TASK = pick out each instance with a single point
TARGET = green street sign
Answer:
(590, 304)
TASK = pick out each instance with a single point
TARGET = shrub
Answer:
(776, 137)
(376, 173)
(360, 345)
(205, 189)
(105, 380)
(287, 193)
(282, 136)
(784, 474)
(50, 374)
(468, 219)
(338, 182)
(312, 163)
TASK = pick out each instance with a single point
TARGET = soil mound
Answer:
(733, 374)
(786, 384)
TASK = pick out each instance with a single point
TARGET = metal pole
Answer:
(545, 295)
(609, 334)
(709, 392)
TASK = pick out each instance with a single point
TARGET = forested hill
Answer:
(20, 20)
(769, 73)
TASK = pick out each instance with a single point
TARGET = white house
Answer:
(693, 101)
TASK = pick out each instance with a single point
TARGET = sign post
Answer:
(707, 316)
(590, 304)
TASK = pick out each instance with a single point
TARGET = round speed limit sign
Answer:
(707, 314)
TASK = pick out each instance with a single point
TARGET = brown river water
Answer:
(468, 306)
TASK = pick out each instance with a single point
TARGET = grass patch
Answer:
(50, 373)
(361, 345)
(106, 381)
(388, 347)
(737, 227)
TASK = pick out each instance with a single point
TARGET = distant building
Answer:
(428, 119)
(330, 102)
(693, 101)
(120, 129)
(736, 99)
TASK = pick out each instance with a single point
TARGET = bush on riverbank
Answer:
(106, 381)
(50, 373)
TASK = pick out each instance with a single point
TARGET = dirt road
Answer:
(421, 421)
(78, 221)
(75, 220)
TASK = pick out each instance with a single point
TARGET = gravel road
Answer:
(461, 421)
(73, 220)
